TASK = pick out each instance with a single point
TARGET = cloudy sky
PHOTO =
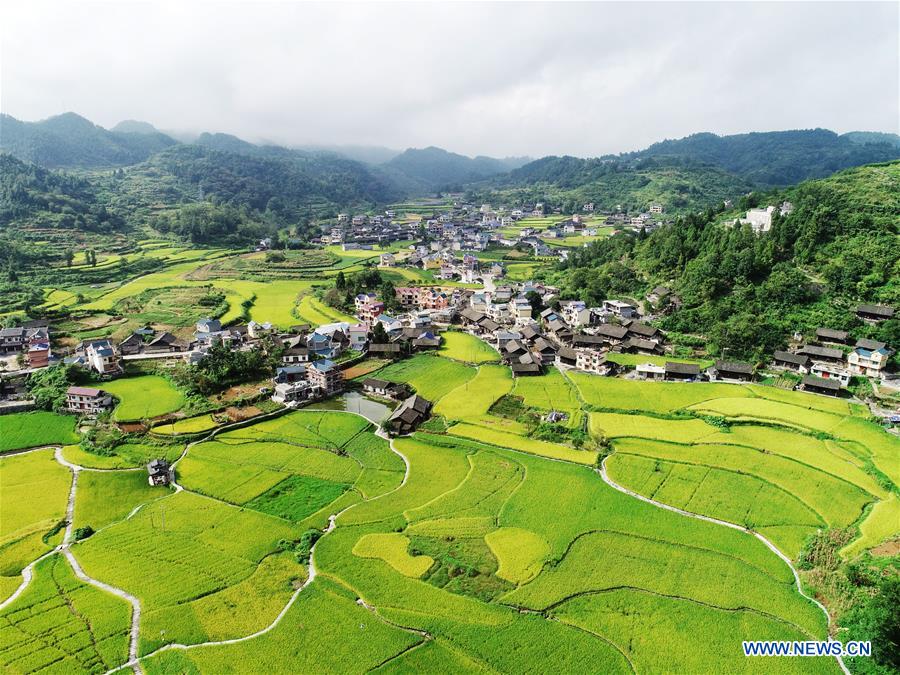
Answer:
(500, 78)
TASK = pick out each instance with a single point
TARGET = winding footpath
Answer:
(631, 493)
(134, 661)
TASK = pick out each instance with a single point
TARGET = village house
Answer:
(830, 371)
(591, 361)
(650, 371)
(165, 343)
(760, 220)
(385, 388)
(544, 352)
(38, 355)
(87, 400)
(325, 376)
(822, 354)
(290, 374)
(790, 361)
(619, 308)
(387, 260)
(358, 335)
(731, 370)
(408, 415)
(295, 350)
(874, 313)
(817, 385)
(101, 356)
(682, 372)
(868, 358)
(635, 345)
(159, 472)
(830, 336)
(292, 392)
(13, 339)
(258, 330)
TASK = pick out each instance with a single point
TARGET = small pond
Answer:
(353, 401)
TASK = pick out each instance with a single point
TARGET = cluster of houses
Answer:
(31, 341)
(828, 362)
(467, 227)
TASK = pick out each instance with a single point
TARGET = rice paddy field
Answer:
(34, 489)
(467, 348)
(143, 397)
(480, 548)
(33, 429)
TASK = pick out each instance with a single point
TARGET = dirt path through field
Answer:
(716, 521)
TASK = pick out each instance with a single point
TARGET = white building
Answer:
(759, 219)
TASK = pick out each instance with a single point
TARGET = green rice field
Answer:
(143, 397)
(438, 551)
(467, 348)
(33, 429)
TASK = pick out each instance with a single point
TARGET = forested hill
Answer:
(437, 169)
(285, 180)
(69, 140)
(746, 294)
(569, 182)
(778, 158)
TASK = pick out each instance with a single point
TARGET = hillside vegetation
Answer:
(748, 293)
(69, 140)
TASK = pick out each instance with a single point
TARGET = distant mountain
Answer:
(69, 140)
(135, 127)
(439, 169)
(775, 158)
(369, 154)
(872, 137)
(264, 178)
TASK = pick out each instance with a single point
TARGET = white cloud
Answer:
(490, 78)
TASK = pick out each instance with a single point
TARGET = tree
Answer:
(70, 256)
(536, 302)
(379, 334)
(48, 386)
(340, 282)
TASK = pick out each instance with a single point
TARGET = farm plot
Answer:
(124, 456)
(618, 425)
(648, 549)
(770, 411)
(633, 619)
(659, 397)
(35, 490)
(467, 348)
(521, 553)
(323, 631)
(313, 311)
(718, 481)
(104, 497)
(33, 429)
(392, 548)
(475, 397)
(548, 392)
(504, 439)
(143, 397)
(431, 376)
(190, 425)
(180, 556)
(292, 466)
(603, 560)
(63, 625)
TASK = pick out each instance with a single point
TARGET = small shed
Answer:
(159, 472)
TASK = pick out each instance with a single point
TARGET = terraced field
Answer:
(306, 542)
